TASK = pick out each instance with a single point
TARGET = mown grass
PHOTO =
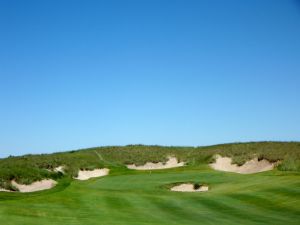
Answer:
(29, 168)
(129, 197)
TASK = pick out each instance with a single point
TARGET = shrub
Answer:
(197, 186)
(290, 164)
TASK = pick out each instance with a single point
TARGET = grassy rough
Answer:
(29, 168)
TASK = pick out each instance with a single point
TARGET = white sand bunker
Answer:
(36, 186)
(4, 190)
(252, 166)
(171, 163)
(60, 169)
(87, 174)
(190, 188)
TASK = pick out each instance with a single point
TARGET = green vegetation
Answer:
(142, 197)
(29, 168)
(197, 185)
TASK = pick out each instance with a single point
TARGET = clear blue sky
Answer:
(77, 74)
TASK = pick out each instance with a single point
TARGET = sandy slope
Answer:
(87, 174)
(171, 163)
(252, 166)
(36, 186)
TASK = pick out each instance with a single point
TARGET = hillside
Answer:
(29, 168)
(97, 186)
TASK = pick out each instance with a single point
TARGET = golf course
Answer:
(137, 197)
(150, 112)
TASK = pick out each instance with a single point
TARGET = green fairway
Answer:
(142, 197)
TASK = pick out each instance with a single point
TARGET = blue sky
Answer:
(77, 74)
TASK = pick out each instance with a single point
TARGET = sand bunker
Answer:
(36, 186)
(60, 169)
(252, 166)
(87, 174)
(171, 163)
(4, 190)
(189, 188)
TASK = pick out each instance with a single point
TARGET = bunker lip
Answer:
(171, 163)
(35, 186)
(251, 166)
(88, 174)
(189, 187)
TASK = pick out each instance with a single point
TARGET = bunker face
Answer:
(189, 188)
(252, 166)
(60, 169)
(4, 190)
(171, 163)
(87, 174)
(36, 186)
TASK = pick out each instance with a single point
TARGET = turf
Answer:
(143, 197)
(140, 197)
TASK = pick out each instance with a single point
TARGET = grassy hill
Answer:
(142, 197)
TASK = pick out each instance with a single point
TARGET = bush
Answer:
(197, 186)
(290, 164)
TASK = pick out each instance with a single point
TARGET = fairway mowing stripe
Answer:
(128, 209)
(289, 202)
(119, 202)
(256, 183)
(288, 192)
(149, 211)
(226, 210)
(250, 209)
(266, 204)
(175, 210)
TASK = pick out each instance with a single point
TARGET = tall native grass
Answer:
(29, 168)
